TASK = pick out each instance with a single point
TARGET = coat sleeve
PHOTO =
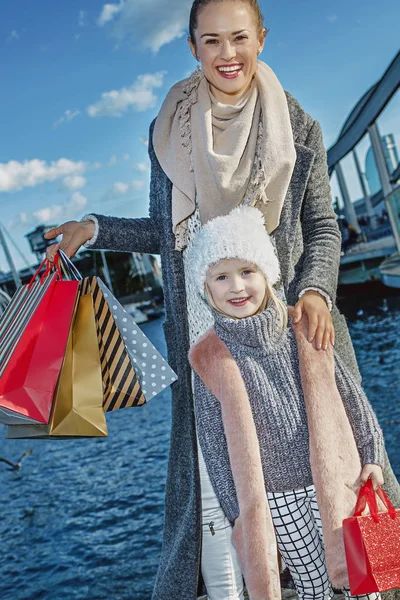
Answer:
(367, 432)
(133, 235)
(321, 235)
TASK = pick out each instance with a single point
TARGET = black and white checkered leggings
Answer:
(299, 535)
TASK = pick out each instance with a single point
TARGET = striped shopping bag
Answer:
(17, 316)
(121, 385)
(32, 358)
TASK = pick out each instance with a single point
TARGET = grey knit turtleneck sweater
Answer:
(268, 362)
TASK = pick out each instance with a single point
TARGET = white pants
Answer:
(219, 564)
(298, 530)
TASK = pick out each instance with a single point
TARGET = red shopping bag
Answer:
(30, 374)
(372, 544)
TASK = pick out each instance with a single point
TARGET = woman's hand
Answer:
(320, 326)
(374, 472)
(74, 235)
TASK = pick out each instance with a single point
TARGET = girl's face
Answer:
(227, 45)
(237, 288)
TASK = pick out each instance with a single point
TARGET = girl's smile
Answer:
(239, 301)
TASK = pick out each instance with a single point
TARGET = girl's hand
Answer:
(374, 472)
(74, 235)
(320, 325)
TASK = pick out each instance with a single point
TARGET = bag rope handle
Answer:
(367, 495)
(49, 266)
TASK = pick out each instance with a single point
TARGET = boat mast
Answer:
(3, 243)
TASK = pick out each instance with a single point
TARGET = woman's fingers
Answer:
(53, 233)
(312, 326)
(74, 235)
(51, 252)
(326, 337)
(297, 312)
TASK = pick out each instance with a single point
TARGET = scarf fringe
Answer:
(190, 91)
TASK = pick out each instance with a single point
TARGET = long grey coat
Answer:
(308, 245)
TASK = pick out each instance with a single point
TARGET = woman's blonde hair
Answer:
(269, 296)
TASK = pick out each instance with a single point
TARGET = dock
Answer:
(362, 262)
(390, 271)
(369, 218)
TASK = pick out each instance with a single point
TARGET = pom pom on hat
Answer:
(240, 234)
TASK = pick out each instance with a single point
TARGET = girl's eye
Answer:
(221, 278)
(247, 272)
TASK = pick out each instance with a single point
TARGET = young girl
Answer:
(275, 418)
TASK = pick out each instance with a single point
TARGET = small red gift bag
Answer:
(372, 544)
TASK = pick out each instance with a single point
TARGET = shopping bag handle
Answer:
(68, 267)
(367, 495)
(49, 266)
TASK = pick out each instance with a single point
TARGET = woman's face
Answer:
(227, 45)
(237, 287)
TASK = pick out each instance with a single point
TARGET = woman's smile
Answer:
(230, 71)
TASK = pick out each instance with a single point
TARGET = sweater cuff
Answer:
(92, 240)
(373, 453)
(321, 292)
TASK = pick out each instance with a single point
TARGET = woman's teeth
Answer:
(229, 69)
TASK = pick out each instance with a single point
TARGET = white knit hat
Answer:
(240, 234)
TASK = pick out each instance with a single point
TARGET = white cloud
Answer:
(53, 214)
(67, 117)
(15, 175)
(62, 212)
(137, 185)
(126, 156)
(144, 141)
(154, 22)
(113, 160)
(14, 35)
(22, 219)
(108, 13)
(121, 188)
(142, 167)
(81, 18)
(74, 182)
(139, 96)
(332, 18)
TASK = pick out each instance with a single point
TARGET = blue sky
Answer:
(82, 80)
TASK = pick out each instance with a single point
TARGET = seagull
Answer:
(16, 466)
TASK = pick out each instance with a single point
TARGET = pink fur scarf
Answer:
(335, 462)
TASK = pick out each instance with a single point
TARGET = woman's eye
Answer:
(211, 41)
(241, 38)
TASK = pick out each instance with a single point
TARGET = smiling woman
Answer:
(227, 136)
(228, 55)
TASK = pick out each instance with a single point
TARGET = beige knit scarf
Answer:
(220, 156)
(334, 458)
